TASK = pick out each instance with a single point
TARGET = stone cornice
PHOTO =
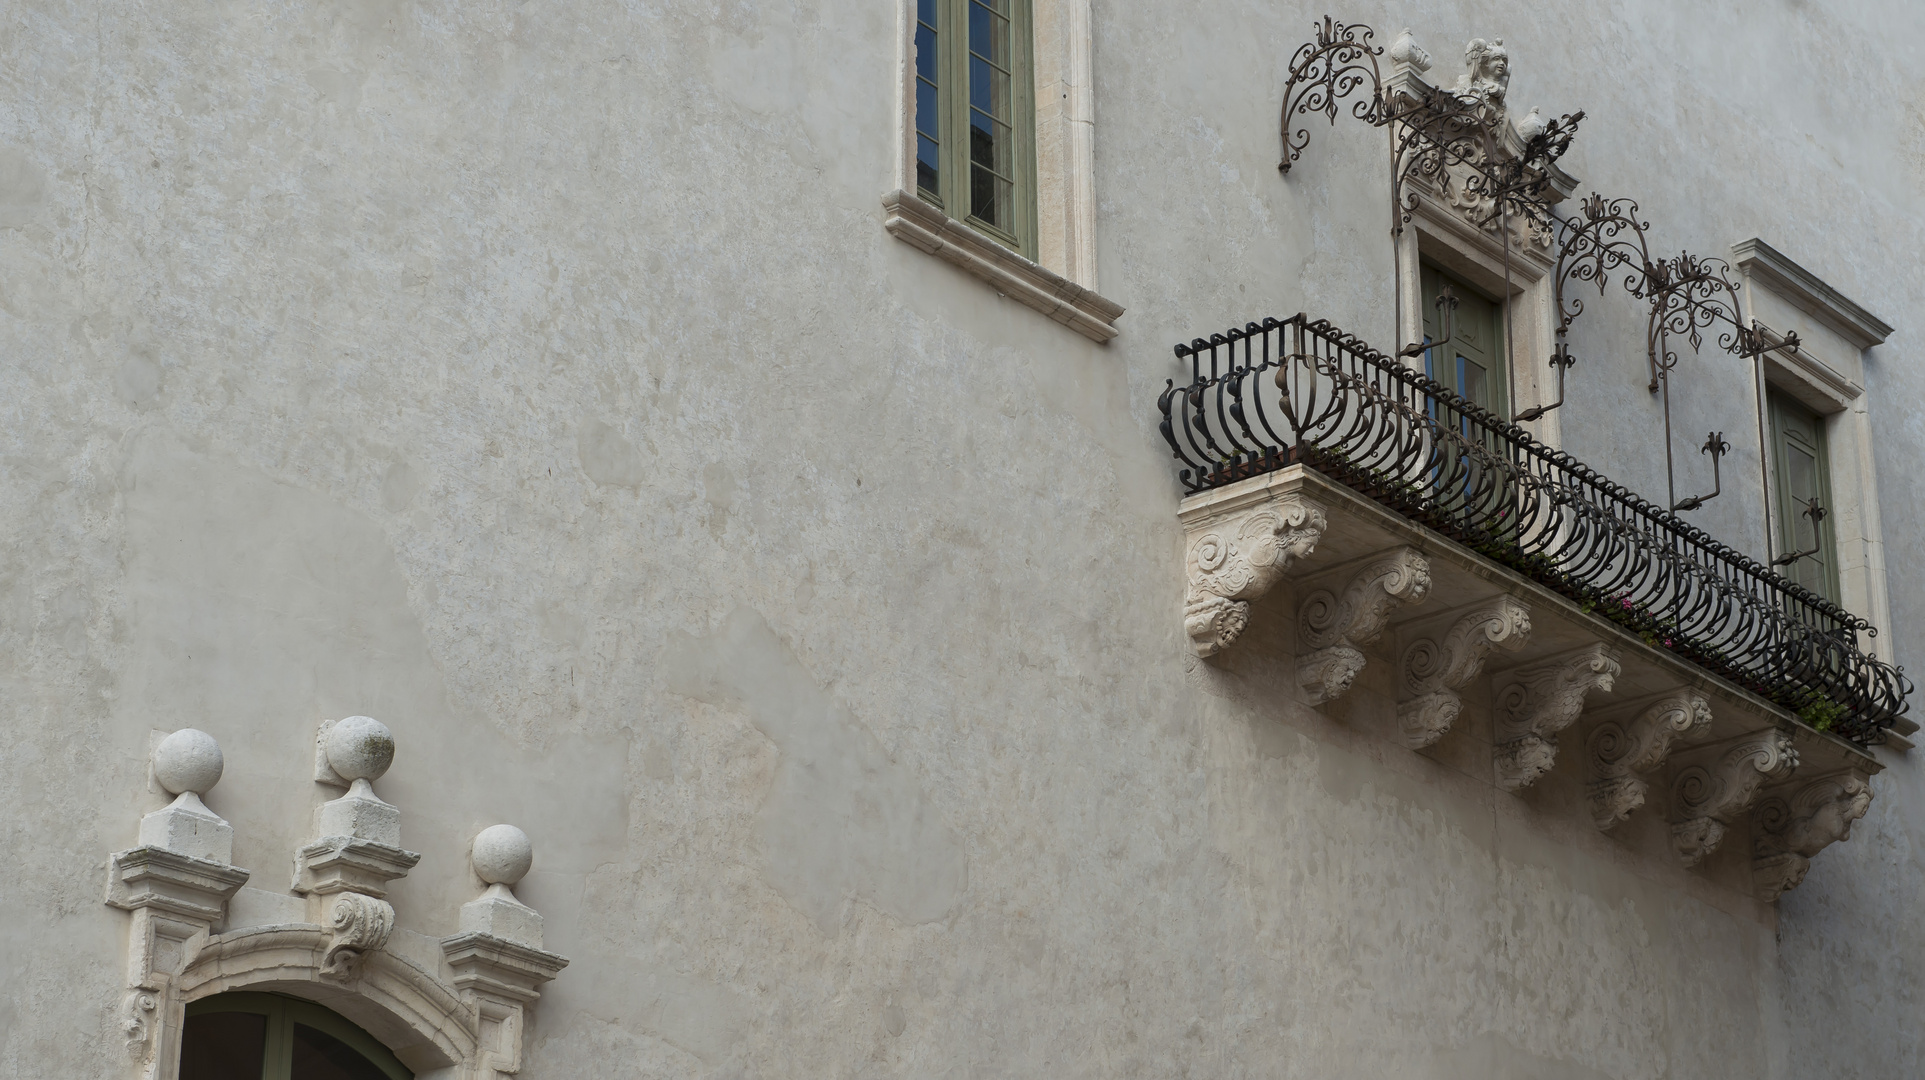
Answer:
(913, 221)
(1809, 291)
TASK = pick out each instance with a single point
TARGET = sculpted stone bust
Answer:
(1487, 73)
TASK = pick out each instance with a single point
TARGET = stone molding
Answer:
(178, 883)
(1332, 627)
(913, 221)
(1654, 736)
(1810, 292)
(409, 1009)
(1235, 556)
(1621, 754)
(1435, 669)
(1535, 703)
(1713, 786)
(1794, 825)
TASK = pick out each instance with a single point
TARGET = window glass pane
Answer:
(927, 173)
(989, 31)
(926, 56)
(223, 1046)
(320, 1056)
(1475, 382)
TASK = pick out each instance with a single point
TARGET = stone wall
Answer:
(540, 380)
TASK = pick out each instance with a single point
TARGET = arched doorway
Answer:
(256, 1036)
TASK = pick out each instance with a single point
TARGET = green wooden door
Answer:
(1803, 470)
(1471, 363)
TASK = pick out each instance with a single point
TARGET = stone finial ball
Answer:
(188, 760)
(502, 854)
(360, 748)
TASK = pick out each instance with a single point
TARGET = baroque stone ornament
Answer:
(497, 957)
(1791, 829)
(1237, 558)
(1717, 784)
(345, 869)
(1536, 703)
(1331, 626)
(359, 924)
(176, 883)
(1436, 669)
(1620, 755)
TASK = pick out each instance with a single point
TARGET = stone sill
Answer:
(915, 222)
(1489, 672)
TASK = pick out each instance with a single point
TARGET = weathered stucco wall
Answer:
(540, 380)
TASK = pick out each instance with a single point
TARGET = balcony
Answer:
(1516, 597)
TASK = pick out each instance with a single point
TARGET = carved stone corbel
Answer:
(345, 870)
(1717, 784)
(1331, 627)
(1236, 558)
(176, 884)
(1435, 669)
(1621, 754)
(1793, 828)
(497, 957)
(1538, 702)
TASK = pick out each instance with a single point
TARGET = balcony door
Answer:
(1470, 481)
(1803, 468)
(1471, 362)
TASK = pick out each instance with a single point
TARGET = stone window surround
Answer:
(1061, 282)
(1826, 375)
(1441, 235)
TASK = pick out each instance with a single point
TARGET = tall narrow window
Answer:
(1801, 504)
(975, 116)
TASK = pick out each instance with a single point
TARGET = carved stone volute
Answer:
(1235, 558)
(1331, 627)
(1435, 669)
(1791, 829)
(1711, 789)
(1621, 754)
(1536, 703)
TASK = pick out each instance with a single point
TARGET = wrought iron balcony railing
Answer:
(1294, 391)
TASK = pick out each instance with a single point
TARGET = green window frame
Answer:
(1801, 467)
(297, 1039)
(975, 116)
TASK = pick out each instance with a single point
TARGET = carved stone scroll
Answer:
(1237, 558)
(1712, 789)
(1436, 669)
(359, 924)
(1333, 626)
(1622, 754)
(1792, 828)
(1536, 703)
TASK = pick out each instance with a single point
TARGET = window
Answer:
(975, 116)
(1801, 497)
(245, 1036)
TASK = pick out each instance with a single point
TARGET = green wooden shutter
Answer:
(1802, 472)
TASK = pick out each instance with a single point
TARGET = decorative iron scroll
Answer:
(1295, 391)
